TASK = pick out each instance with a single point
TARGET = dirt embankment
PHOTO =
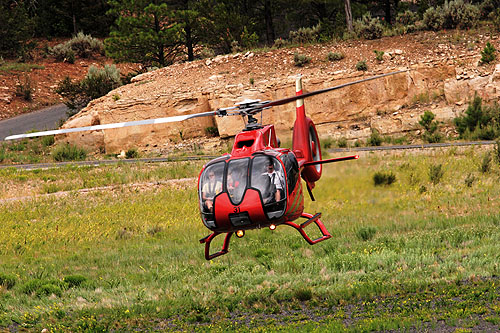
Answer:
(444, 72)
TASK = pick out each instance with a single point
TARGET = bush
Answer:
(25, 89)
(407, 18)
(361, 65)
(488, 54)
(67, 152)
(48, 140)
(433, 19)
(300, 59)
(81, 45)
(212, 131)
(430, 125)
(100, 81)
(485, 163)
(368, 27)
(436, 173)
(132, 153)
(74, 280)
(280, 43)
(384, 178)
(366, 233)
(379, 55)
(342, 143)
(458, 14)
(453, 14)
(97, 83)
(6, 280)
(375, 139)
(305, 35)
(335, 56)
(479, 122)
(469, 180)
(63, 53)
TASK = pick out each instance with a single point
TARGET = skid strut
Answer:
(310, 219)
(209, 238)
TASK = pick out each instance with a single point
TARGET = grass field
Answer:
(421, 253)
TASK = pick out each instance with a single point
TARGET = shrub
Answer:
(384, 178)
(6, 280)
(25, 89)
(430, 125)
(342, 143)
(488, 54)
(479, 122)
(81, 45)
(300, 59)
(100, 81)
(305, 35)
(361, 65)
(379, 55)
(366, 233)
(433, 19)
(74, 280)
(485, 163)
(436, 173)
(280, 43)
(48, 140)
(212, 131)
(375, 139)
(458, 14)
(496, 151)
(97, 83)
(63, 53)
(368, 27)
(248, 40)
(495, 19)
(132, 153)
(469, 180)
(68, 152)
(453, 14)
(303, 294)
(335, 56)
(407, 18)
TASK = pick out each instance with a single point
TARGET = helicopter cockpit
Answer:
(264, 172)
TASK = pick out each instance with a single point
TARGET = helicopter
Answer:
(258, 184)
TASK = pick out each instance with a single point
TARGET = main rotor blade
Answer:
(317, 92)
(113, 125)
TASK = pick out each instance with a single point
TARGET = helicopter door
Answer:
(268, 179)
(210, 187)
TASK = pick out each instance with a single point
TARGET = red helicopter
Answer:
(258, 184)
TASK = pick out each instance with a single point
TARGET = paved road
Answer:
(44, 119)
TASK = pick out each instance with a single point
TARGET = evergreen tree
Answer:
(15, 28)
(146, 32)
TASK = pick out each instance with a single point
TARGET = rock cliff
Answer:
(442, 77)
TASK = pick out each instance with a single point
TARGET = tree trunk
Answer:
(189, 43)
(348, 14)
(268, 16)
(388, 11)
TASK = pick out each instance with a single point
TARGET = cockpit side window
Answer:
(210, 185)
(236, 180)
(268, 178)
(292, 171)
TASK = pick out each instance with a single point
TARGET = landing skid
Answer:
(209, 238)
(310, 219)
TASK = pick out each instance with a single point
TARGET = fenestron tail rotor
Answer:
(244, 108)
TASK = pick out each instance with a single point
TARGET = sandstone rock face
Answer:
(386, 104)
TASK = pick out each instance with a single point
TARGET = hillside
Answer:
(444, 73)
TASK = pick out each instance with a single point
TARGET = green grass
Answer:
(19, 67)
(397, 259)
